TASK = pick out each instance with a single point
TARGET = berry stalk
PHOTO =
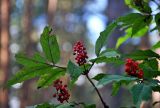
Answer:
(104, 104)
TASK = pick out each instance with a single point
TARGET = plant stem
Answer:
(104, 104)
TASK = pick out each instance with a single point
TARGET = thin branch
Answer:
(104, 104)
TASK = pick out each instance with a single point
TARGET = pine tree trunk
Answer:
(27, 28)
(52, 5)
(4, 50)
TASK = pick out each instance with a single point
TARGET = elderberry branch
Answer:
(104, 104)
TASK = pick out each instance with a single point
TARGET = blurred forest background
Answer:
(22, 22)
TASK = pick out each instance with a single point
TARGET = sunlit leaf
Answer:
(50, 45)
(28, 73)
(36, 60)
(156, 46)
(48, 78)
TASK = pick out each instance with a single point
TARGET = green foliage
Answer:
(36, 60)
(135, 25)
(128, 34)
(115, 78)
(110, 53)
(150, 68)
(45, 105)
(141, 92)
(108, 56)
(38, 66)
(28, 73)
(140, 5)
(104, 59)
(115, 88)
(89, 106)
(157, 45)
(67, 105)
(74, 71)
(50, 45)
(101, 41)
(157, 20)
(143, 54)
(99, 76)
(48, 78)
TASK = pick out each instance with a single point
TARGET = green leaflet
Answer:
(111, 78)
(156, 46)
(157, 20)
(50, 45)
(101, 41)
(89, 106)
(140, 92)
(45, 105)
(74, 71)
(99, 76)
(110, 53)
(129, 34)
(115, 88)
(36, 60)
(104, 59)
(28, 73)
(140, 5)
(48, 78)
(150, 68)
(135, 22)
(143, 54)
(67, 105)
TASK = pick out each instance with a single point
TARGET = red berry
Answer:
(80, 52)
(62, 93)
(132, 68)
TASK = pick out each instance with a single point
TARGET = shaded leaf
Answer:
(66, 105)
(150, 68)
(111, 78)
(110, 53)
(99, 76)
(141, 92)
(143, 54)
(89, 106)
(74, 71)
(129, 19)
(157, 20)
(101, 41)
(104, 59)
(115, 88)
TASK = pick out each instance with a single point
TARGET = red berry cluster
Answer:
(132, 68)
(62, 93)
(80, 52)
